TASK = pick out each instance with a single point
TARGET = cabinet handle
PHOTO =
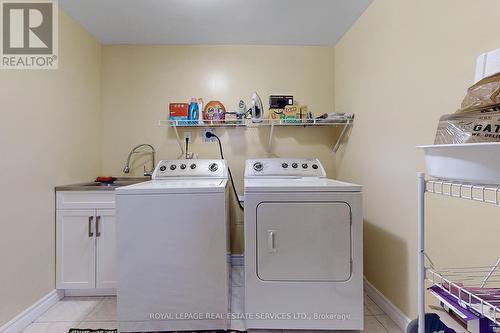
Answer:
(91, 234)
(271, 240)
(97, 226)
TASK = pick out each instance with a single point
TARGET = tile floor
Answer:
(100, 312)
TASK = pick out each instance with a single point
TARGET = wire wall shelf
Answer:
(340, 120)
(343, 121)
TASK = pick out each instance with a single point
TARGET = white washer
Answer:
(303, 247)
(173, 245)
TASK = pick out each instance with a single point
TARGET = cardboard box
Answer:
(178, 111)
(291, 113)
(276, 114)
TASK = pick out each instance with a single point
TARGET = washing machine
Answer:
(173, 246)
(303, 247)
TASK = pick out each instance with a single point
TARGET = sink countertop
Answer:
(98, 186)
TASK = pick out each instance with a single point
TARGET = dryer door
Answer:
(304, 241)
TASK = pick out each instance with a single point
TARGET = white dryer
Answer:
(303, 247)
(173, 245)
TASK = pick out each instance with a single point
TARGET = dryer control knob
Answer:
(315, 166)
(295, 165)
(173, 167)
(163, 168)
(193, 166)
(304, 165)
(183, 166)
(257, 166)
(284, 165)
(213, 167)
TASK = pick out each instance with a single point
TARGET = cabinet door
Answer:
(75, 249)
(106, 248)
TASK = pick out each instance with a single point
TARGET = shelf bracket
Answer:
(271, 133)
(341, 137)
(179, 142)
(488, 276)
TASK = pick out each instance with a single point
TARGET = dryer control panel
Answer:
(190, 168)
(284, 167)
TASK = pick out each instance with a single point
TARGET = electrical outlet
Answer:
(187, 135)
(204, 132)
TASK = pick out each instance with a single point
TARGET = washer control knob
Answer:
(193, 166)
(173, 167)
(295, 165)
(163, 168)
(183, 166)
(213, 167)
(284, 165)
(304, 165)
(315, 166)
(257, 166)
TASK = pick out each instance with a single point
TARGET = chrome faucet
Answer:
(126, 169)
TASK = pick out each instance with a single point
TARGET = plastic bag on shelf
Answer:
(478, 126)
(478, 119)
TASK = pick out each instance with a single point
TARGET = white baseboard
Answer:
(390, 309)
(90, 292)
(32, 313)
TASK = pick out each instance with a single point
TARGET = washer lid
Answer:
(175, 186)
(306, 184)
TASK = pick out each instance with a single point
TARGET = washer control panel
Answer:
(199, 168)
(284, 167)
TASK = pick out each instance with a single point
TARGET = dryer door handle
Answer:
(271, 240)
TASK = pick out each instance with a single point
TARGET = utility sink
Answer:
(103, 186)
(116, 183)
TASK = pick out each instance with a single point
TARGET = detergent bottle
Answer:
(194, 112)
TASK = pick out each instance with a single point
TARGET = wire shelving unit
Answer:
(473, 293)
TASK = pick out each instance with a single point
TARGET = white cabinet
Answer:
(85, 242)
(75, 243)
(106, 249)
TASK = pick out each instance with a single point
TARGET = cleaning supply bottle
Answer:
(200, 110)
(194, 112)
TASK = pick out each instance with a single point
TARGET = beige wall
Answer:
(138, 82)
(50, 135)
(401, 66)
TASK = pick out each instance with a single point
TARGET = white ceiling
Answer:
(294, 22)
